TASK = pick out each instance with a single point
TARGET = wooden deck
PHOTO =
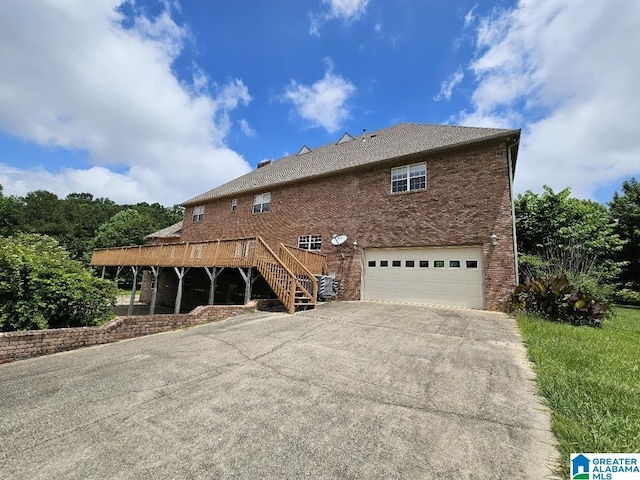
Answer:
(290, 272)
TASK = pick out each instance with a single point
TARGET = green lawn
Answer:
(590, 378)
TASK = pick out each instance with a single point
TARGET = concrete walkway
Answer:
(350, 390)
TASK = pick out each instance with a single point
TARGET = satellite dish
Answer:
(338, 240)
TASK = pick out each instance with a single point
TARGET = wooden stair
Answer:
(287, 277)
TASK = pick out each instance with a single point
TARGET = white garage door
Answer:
(435, 275)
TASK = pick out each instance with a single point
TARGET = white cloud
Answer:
(377, 28)
(73, 76)
(470, 17)
(565, 71)
(323, 104)
(246, 129)
(345, 10)
(446, 87)
(314, 24)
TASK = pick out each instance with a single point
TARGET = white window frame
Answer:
(234, 204)
(197, 214)
(262, 202)
(401, 178)
(313, 243)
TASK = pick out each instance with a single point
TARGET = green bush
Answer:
(627, 296)
(558, 300)
(41, 287)
(578, 269)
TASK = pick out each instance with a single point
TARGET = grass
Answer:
(125, 291)
(590, 379)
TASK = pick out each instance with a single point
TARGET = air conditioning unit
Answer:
(327, 286)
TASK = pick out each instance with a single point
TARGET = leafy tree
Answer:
(83, 216)
(10, 214)
(558, 234)
(625, 213)
(160, 216)
(43, 214)
(127, 227)
(41, 287)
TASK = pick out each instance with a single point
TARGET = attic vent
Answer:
(345, 138)
(304, 150)
(264, 163)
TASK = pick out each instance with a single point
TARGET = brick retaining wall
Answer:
(34, 343)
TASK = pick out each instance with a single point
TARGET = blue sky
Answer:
(161, 100)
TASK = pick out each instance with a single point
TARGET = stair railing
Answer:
(307, 282)
(278, 276)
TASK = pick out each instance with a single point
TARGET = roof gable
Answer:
(380, 146)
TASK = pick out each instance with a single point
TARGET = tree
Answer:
(127, 227)
(625, 214)
(564, 235)
(43, 214)
(10, 214)
(83, 216)
(41, 287)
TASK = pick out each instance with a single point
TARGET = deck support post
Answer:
(102, 276)
(118, 270)
(154, 289)
(213, 276)
(133, 289)
(247, 281)
(180, 273)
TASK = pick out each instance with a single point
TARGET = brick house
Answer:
(427, 212)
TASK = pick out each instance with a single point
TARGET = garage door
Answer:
(435, 275)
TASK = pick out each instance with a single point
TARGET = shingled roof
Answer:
(365, 150)
(172, 231)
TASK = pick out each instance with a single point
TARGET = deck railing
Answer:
(220, 253)
(315, 262)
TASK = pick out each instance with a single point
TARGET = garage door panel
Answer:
(449, 285)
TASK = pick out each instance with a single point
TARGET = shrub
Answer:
(41, 287)
(580, 270)
(627, 296)
(558, 300)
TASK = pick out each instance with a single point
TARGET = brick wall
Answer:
(466, 200)
(20, 345)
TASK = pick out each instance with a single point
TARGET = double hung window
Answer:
(409, 178)
(197, 215)
(262, 203)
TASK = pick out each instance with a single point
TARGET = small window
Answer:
(384, 263)
(424, 263)
(234, 204)
(396, 263)
(372, 263)
(409, 178)
(454, 263)
(438, 263)
(198, 213)
(262, 203)
(409, 263)
(472, 264)
(310, 242)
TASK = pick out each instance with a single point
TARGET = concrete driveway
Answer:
(350, 390)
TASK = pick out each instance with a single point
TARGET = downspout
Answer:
(513, 208)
